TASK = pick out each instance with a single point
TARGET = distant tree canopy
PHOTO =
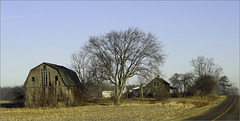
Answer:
(224, 86)
(204, 79)
(5, 93)
(15, 94)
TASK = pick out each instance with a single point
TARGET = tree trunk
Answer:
(99, 90)
(118, 95)
(117, 100)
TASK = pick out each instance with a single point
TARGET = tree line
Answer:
(204, 79)
(15, 94)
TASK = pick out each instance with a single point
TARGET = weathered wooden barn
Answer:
(51, 85)
(153, 86)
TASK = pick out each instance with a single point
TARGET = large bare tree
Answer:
(125, 54)
(207, 74)
(205, 66)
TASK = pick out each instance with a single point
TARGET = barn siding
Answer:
(151, 88)
(45, 90)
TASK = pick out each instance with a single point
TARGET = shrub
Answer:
(162, 94)
(177, 95)
(206, 85)
(17, 94)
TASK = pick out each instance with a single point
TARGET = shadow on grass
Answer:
(97, 102)
(108, 101)
(12, 105)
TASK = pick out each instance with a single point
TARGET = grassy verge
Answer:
(200, 105)
(131, 109)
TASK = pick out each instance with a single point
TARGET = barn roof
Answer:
(162, 80)
(68, 76)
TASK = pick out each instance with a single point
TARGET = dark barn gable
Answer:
(50, 85)
(151, 88)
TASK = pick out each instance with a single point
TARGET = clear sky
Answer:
(34, 32)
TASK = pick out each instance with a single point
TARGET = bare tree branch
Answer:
(125, 54)
(205, 66)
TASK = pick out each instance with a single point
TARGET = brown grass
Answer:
(130, 109)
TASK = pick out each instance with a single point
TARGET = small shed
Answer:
(51, 85)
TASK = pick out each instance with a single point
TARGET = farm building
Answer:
(109, 94)
(155, 85)
(134, 92)
(50, 85)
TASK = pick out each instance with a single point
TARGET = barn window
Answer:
(154, 83)
(56, 81)
(157, 83)
(56, 78)
(33, 79)
(46, 81)
(49, 76)
(44, 66)
(42, 78)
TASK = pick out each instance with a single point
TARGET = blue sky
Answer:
(36, 32)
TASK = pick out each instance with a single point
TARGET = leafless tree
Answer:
(99, 73)
(182, 81)
(176, 82)
(125, 54)
(187, 82)
(147, 77)
(205, 66)
(207, 74)
(81, 65)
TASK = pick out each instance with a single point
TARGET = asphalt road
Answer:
(227, 110)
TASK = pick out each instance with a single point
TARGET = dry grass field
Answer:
(130, 109)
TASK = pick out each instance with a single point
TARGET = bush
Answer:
(17, 94)
(162, 94)
(206, 84)
(177, 95)
(5, 92)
